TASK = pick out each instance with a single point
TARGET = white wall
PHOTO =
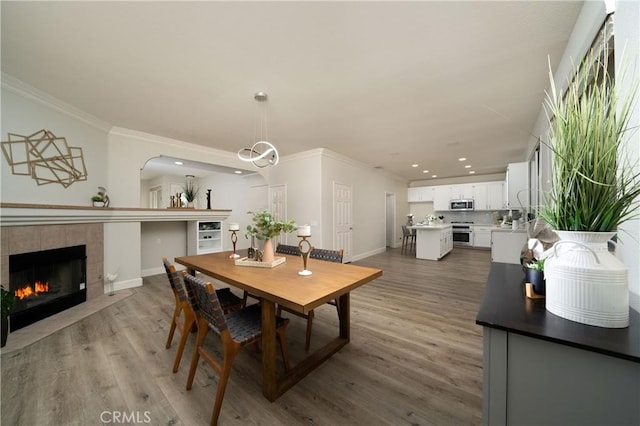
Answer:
(370, 188)
(302, 175)
(24, 113)
(158, 240)
(627, 38)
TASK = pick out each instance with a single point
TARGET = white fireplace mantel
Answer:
(17, 214)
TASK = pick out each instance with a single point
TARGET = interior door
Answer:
(278, 207)
(343, 219)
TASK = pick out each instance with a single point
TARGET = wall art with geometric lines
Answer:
(45, 157)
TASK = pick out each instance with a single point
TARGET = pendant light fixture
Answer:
(261, 153)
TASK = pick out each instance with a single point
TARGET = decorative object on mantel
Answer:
(594, 189)
(102, 199)
(45, 157)
(304, 232)
(233, 228)
(265, 228)
(261, 153)
(6, 305)
(208, 199)
(190, 191)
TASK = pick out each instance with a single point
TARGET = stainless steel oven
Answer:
(462, 233)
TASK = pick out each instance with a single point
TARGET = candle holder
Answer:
(305, 253)
(234, 240)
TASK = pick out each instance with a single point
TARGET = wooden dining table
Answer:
(282, 285)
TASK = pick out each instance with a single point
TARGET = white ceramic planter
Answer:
(585, 282)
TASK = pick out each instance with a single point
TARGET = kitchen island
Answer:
(433, 242)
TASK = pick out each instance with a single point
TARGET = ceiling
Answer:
(390, 84)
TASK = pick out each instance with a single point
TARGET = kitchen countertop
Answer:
(428, 227)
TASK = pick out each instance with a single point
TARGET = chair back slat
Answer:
(287, 249)
(174, 280)
(405, 231)
(207, 301)
(327, 255)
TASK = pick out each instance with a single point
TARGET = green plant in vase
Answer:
(595, 188)
(265, 227)
(190, 191)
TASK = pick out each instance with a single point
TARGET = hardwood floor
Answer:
(415, 357)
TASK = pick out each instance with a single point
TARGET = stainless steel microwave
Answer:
(461, 205)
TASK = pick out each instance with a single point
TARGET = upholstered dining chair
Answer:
(320, 254)
(184, 306)
(236, 330)
(408, 238)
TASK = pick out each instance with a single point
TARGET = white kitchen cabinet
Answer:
(480, 196)
(482, 236)
(461, 192)
(420, 194)
(507, 245)
(433, 242)
(204, 236)
(441, 198)
(517, 185)
(495, 196)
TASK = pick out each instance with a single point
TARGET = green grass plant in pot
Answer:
(594, 189)
(190, 191)
(265, 227)
(6, 299)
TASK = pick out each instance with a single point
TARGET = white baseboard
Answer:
(369, 253)
(153, 271)
(122, 285)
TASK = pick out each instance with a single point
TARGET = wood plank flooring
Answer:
(415, 357)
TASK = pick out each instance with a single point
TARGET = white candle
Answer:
(234, 227)
(304, 231)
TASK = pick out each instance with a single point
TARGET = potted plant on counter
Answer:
(535, 275)
(265, 227)
(594, 189)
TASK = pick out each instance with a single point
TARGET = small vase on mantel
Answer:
(268, 255)
(585, 282)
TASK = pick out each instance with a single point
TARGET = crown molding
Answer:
(22, 89)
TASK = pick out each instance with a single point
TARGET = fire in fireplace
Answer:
(46, 282)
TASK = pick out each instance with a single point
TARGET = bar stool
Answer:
(408, 238)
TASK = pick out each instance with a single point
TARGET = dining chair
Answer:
(183, 305)
(320, 254)
(408, 238)
(236, 330)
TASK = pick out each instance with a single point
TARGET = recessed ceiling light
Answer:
(462, 159)
(434, 175)
(425, 171)
(414, 165)
(178, 163)
(472, 172)
(468, 166)
(238, 172)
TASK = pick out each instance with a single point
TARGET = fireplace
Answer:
(46, 282)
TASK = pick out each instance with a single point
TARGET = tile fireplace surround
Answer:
(25, 239)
